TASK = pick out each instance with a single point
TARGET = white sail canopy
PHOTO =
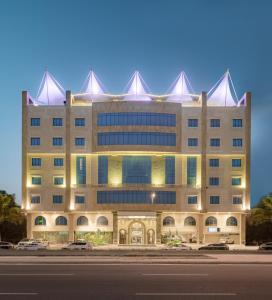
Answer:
(136, 88)
(92, 85)
(181, 89)
(223, 92)
(50, 91)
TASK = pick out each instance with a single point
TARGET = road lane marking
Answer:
(173, 274)
(19, 294)
(33, 274)
(186, 294)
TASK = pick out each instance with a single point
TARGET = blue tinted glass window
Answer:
(136, 197)
(35, 199)
(191, 170)
(214, 180)
(236, 163)
(58, 180)
(36, 180)
(170, 170)
(57, 122)
(193, 123)
(79, 199)
(80, 141)
(57, 199)
(214, 162)
(35, 141)
(102, 169)
(35, 122)
(57, 141)
(237, 200)
(236, 180)
(58, 162)
(192, 199)
(237, 123)
(215, 123)
(81, 170)
(79, 122)
(214, 200)
(136, 169)
(215, 142)
(136, 138)
(192, 142)
(136, 119)
(237, 142)
(36, 161)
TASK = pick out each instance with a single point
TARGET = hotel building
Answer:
(137, 168)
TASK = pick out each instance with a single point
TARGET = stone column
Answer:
(200, 229)
(71, 234)
(158, 227)
(115, 228)
(29, 226)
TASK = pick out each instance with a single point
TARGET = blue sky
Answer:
(115, 37)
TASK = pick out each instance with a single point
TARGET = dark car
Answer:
(266, 246)
(6, 245)
(220, 246)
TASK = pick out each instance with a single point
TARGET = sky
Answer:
(115, 37)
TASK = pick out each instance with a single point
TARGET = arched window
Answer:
(61, 221)
(82, 221)
(168, 221)
(190, 221)
(40, 221)
(102, 221)
(231, 221)
(211, 221)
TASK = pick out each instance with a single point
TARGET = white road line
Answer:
(173, 274)
(18, 294)
(186, 294)
(136, 264)
(34, 274)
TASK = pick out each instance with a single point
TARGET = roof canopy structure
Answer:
(181, 89)
(92, 85)
(50, 91)
(136, 88)
(223, 92)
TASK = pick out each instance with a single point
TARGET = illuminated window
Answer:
(40, 221)
(102, 169)
(236, 181)
(231, 221)
(170, 170)
(136, 169)
(81, 170)
(191, 170)
(36, 180)
(236, 163)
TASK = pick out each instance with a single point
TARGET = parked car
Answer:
(266, 246)
(24, 242)
(226, 240)
(31, 245)
(183, 247)
(78, 245)
(220, 246)
(6, 245)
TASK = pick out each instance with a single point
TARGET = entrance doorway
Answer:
(136, 233)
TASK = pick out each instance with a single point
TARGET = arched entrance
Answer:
(136, 233)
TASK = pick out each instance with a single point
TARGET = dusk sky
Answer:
(116, 37)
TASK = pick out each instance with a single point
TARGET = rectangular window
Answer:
(35, 141)
(136, 169)
(57, 141)
(36, 180)
(57, 122)
(80, 141)
(237, 142)
(57, 199)
(36, 161)
(102, 169)
(236, 181)
(79, 199)
(192, 142)
(215, 142)
(136, 197)
(81, 170)
(35, 199)
(215, 123)
(214, 200)
(170, 170)
(58, 180)
(79, 122)
(58, 162)
(237, 123)
(237, 200)
(214, 162)
(34, 122)
(214, 180)
(191, 170)
(192, 199)
(192, 123)
(236, 163)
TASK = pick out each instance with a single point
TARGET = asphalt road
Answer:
(135, 281)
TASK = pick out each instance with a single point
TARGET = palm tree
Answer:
(262, 213)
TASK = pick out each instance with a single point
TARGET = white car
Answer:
(183, 247)
(24, 242)
(79, 245)
(34, 245)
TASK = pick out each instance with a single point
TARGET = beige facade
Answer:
(136, 222)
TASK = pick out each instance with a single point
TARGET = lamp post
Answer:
(153, 196)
